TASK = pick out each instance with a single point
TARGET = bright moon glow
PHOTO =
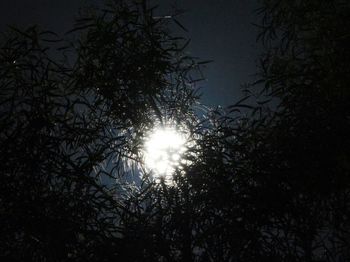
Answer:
(163, 150)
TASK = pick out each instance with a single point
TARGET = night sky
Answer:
(220, 30)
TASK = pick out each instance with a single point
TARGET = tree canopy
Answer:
(266, 180)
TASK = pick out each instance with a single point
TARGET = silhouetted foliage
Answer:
(265, 181)
(273, 180)
(72, 115)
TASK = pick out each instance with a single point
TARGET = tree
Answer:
(72, 114)
(264, 181)
(270, 181)
(273, 179)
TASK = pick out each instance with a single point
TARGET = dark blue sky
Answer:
(220, 30)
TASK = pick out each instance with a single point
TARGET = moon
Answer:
(163, 150)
